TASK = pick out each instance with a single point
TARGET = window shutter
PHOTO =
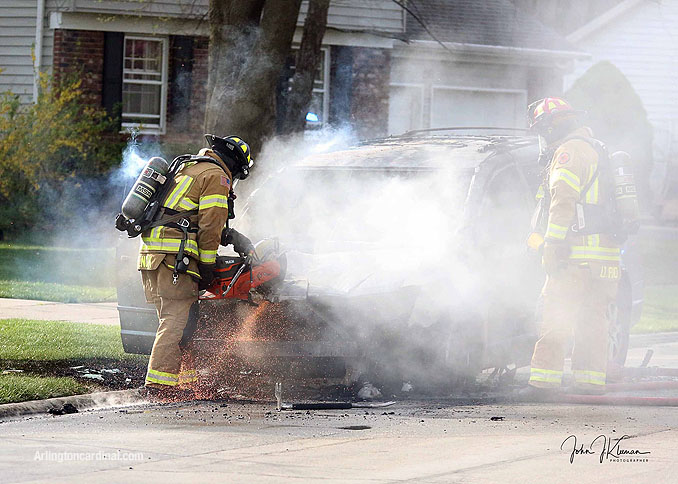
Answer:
(181, 80)
(111, 95)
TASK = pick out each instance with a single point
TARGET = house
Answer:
(640, 37)
(381, 71)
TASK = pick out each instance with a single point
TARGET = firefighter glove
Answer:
(206, 275)
(241, 244)
(555, 257)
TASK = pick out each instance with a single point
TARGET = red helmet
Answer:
(543, 111)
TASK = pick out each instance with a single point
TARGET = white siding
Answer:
(643, 44)
(377, 15)
(17, 39)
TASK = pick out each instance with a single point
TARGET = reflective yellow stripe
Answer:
(188, 376)
(188, 271)
(595, 253)
(162, 378)
(593, 240)
(171, 245)
(591, 377)
(568, 177)
(210, 201)
(150, 379)
(547, 376)
(208, 256)
(592, 193)
(183, 184)
(188, 204)
(555, 231)
(540, 193)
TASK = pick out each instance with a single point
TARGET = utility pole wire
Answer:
(402, 5)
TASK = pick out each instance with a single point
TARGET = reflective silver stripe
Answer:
(567, 176)
(546, 376)
(137, 333)
(158, 375)
(213, 201)
(182, 187)
(591, 377)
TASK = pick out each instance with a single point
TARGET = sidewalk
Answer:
(96, 313)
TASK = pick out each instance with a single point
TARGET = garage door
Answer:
(471, 107)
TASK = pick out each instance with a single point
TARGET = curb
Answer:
(81, 402)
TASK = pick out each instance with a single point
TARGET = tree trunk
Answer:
(307, 62)
(249, 41)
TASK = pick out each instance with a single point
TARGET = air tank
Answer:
(151, 178)
(625, 191)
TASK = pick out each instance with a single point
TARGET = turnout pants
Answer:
(577, 299)
(172, 303)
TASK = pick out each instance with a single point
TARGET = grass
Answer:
(20, 388)
(50, 291)
(660, 310)
(46, 350)
(56, 273)
(25, 339)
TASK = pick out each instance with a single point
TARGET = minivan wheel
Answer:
(618, 336)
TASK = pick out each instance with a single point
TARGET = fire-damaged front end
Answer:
(259, 317)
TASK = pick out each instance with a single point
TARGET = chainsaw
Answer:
(248, 277)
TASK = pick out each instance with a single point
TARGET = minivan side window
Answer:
(504, 215)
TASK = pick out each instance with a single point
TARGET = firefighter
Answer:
(582, 270)
(203, 185)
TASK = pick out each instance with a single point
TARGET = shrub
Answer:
(47, 148)
(617, 116)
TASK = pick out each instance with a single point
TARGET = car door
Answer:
(512, 275)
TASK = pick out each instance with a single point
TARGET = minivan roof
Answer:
(416, 153)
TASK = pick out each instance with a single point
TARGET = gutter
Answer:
(37, 63)
(498, 49)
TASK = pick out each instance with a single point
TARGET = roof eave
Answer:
(500, 50)
(601, 21)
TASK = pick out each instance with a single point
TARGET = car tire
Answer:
(620, 327)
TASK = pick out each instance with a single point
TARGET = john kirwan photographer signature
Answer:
(609, 448)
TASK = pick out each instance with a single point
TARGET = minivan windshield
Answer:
(354, 207)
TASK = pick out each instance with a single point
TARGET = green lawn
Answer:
(17, 387)
(660, 310)
(56, 273)
(51, 291)
(46, 351)
(24, 339)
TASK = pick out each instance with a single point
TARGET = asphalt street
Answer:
(416, 441)
(453, 440)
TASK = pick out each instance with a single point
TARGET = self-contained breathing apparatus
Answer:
(617, 213)
(142, 209)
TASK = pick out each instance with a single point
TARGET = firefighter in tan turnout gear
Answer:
(582, 270)
(172, 280)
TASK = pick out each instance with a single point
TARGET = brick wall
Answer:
(80, 52)
(370, 91)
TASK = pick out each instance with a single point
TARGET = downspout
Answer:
(39, 24)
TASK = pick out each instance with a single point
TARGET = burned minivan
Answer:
(399, 259)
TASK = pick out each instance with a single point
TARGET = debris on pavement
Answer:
(369, 392)
(68, 408)
(497, 419)
(407, 387)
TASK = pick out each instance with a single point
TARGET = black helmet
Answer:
(234, 152)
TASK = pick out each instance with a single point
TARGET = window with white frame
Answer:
(319, 108)
(144, 83)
